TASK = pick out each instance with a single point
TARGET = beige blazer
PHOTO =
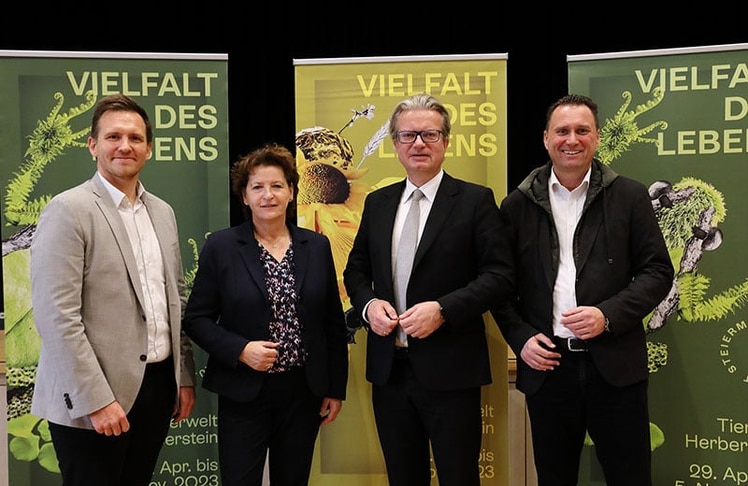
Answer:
(87, 304)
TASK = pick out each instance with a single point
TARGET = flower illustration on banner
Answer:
(331, 195)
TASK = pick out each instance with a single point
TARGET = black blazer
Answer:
(456, 264)
(229, 306)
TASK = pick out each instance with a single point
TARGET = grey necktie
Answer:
(406, 250)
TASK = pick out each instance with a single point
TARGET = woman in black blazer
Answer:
(266, 308)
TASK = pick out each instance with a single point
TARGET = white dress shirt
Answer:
(429, 193)
(567, 209)
(147, 252)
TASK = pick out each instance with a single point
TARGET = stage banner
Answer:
(344, 152)
(676, 121)
(48, 100)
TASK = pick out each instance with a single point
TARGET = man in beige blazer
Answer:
(108, 292)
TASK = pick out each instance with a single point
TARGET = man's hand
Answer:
(585, 322)
(110, 420)
(538, 353)
(382, 317)
(422, 319)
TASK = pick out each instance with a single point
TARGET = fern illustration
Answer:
(47, 141)
(29, 435)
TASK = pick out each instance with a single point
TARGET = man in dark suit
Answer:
(427, 357)
(582, 247)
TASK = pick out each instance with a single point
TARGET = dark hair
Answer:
(120, 102)
(421, 101)
(573, 99)
(270, 154)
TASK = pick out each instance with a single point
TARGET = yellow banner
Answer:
(344, 152)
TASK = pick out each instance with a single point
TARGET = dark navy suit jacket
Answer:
(229, 306)
(455, 264)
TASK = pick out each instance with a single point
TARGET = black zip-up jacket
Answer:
(622, 266)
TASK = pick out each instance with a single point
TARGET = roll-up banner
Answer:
(344, 152)
(676, 121)
(47, 101)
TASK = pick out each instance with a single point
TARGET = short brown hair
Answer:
(574, 100)
(120, 102)
(270, 154)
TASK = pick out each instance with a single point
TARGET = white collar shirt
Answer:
(429, 192)
(567, 209)
(147, 251)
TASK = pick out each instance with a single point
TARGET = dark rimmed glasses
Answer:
(409, 136)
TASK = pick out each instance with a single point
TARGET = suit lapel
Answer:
(384, 224)
(587, 235)
(159, 220)
(250, 254)
(546, 233)
(445, 200)
(301, 256)
(114, 220)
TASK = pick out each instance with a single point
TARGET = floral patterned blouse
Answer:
(285, 327)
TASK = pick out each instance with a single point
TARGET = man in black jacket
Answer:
(588, 262)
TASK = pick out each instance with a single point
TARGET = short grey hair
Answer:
(421, 101)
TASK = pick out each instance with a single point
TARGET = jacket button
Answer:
(143, 357)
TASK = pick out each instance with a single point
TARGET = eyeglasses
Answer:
(428, 136)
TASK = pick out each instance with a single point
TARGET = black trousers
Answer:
(412, 419)
(283, 419)
(87, 457)
(575, 399)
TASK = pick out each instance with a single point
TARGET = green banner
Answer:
(47, 100)
(344, 152)
(676, 121)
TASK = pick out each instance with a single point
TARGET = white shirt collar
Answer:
(553, 182)
(428, 189)
(115, 193)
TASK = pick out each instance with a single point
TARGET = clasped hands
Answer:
(419, 321)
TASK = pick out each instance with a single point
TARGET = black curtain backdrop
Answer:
(262, 40)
